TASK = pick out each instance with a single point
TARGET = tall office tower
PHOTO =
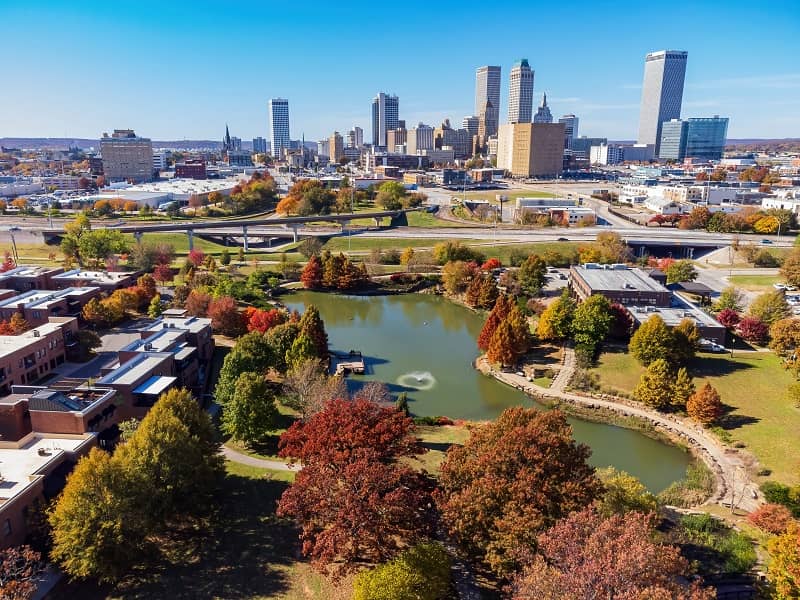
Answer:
(570, 128)
(236, 143)
(259, 145)
(336, 147)
(662, 93)
(699, 138)
(126, 157)
(543, 115)
(355, 138)
(520, 93)
(488, 120)
(471, 124)
(279, 125)
(487, 89)
(394, 138)
(385, 111)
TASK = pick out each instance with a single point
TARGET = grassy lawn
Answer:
(755, 283)
(426, 219)
(503, 251)
(753, 387)
(544, 382)
(511, 194)
(437, 439)
(340, 243)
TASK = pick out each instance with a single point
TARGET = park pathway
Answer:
(728, 465)
(252, 461)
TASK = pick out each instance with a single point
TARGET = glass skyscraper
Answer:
(385, 117)
(487, 90)
(279, 125)
(700, 138)
(662, 93)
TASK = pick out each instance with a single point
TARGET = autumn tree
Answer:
(502, 307)
(253, 353)
(457, 274)
(502, 347)
(155, 308)
(753, 329)
(258, 319)
(308, 387)
(591, 322)
(686, 340)
(655, 385)
(784, 568)
(785, 340)
(311, 277)
(704, 406)
(790, 269)
(772, 518)
(197, 303)
(18, 324)
(622, 322)
(419, 573)
(531, 275)
(512, 479)
(556, 321)
(682, 388)
(622, 493)
(251, 412)
(652, 341)
(730, 298)
(770, 307)
(728, 318)
(520, 331)
(19, 569)
(588, 555)
(312, 326)
(352, 499)
(225, 316)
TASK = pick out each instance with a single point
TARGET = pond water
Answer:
(425, 345)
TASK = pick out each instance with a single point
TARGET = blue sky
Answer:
(174, 70)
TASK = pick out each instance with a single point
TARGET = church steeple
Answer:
(544, 100)
(543, 115)
(226, 141)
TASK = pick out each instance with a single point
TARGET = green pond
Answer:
(425, 345)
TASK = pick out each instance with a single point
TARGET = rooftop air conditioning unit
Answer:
(36, 333)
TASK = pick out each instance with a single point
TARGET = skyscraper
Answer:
(335, 147)
(279, 125)
(470, 124)
(543, 115)
(520, 93)
(126, 157)
(487, 89)
(259, 145)
(355, 138)
(700, 138)
(570, 128)
(385, 111)
(662, 93)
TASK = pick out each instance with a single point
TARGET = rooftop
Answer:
(161, 341)
(12, 343)
(155, 385)
(98, 276)
(130, 372)
(193, 324)
(674, 315)
(617, 277)
(43, 298)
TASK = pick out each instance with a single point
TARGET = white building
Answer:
(662, 93)
(160, 160)
(520, 93)
(605, 154)
(419, 139)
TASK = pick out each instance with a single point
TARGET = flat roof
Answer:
(158, 342)
(42, 298)
(617, 278)
(193, 324)
(674, 315)
(19, 465)
(101, 276)
(131, 371)
(12, 343)
(155, 385)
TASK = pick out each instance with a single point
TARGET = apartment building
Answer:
(106, 281)
(126, 157)
(38, 306)
(23, 278)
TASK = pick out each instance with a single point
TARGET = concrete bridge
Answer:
(268, 226)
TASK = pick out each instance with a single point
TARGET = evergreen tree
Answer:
(302, 349)
(655, 385)
(502, 307)
(686, 339)
(488, 292)
(312, 326)
(520, 331)
(472, 296)
(155, 309)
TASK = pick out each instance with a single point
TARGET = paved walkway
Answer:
(261, 463)
(728, 464)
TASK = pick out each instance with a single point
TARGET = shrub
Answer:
(778, 493)
(772, 518)
(693, 489)
(419, 573)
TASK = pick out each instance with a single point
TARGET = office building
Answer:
(279, 125)
(396, 138)
(606, 154)
(570, 128)
(385, 117)
(236, 143)
(618, 283)
(581, 146)
(543, 114)
(240, 158)
(193, 168)
(471, 124)
(520, 93)
(259, 145)
(531, 149)
(160, 162)
(487, 90)
(488, 121)
(336, 147)
(459, 140)
(698, 138)
(419, 139)
(662, 93)
(355, 138)
(323, 148)
(126, 157)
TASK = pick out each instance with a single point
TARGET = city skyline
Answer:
(113, 82)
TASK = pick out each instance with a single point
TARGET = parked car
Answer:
(766, 241)
(779, 286)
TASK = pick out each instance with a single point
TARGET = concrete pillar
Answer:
(294, 232)
(138, 236)
(190, 233)
(378, 221)
(244, 233)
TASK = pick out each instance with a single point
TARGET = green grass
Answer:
(511, 194)
(240, 470)
(426, 219)
(753, 386)
(358, 243)
(437, 439)
(544, 382)
(754, 282)
(503, 251)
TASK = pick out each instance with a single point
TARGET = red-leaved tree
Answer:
(492, 263)
(258, 319)
(19, 567)
(352, 500)
(197, 303)
(773, 518)
(753, 329)
(8, 262)
(196, 257)
(225, 316)
(512, 479)
(502, 307)
(589, 556)
(728, 318)
(311, 277)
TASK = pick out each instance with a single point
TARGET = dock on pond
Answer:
(344, 364)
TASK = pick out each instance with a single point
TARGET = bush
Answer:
(765, 258)
(693, 489)
(778, 493)
(772, 518)
(734, 550)
(419, 573)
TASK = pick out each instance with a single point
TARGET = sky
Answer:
(182, 70)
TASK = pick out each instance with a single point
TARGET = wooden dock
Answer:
(344, 364)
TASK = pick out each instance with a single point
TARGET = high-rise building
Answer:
(385, 111)
(323, 147)
(279, 125)
(126, 157)
(470, 124)
(336, 147)
(259, 145)
(700, 138)
(355, 138)
(543, 115)
(531, 149)
(520, 93)
(487, 120)
(419, 139)
(662, 93)
(236, 143)
(487, 89)
(570, 128)
(581, 146)
(460, 140)
(394, 138)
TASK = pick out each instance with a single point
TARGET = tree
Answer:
(704, 406)
(520, 331)
(163, 273)
(155, 309)
(309, 387)
(19, 569)
(225, 316)
(251, 412)
(98, 244)
(311, 277)
(457, 274)
(97, 313)
(313, 328)
(280, 339)
(311, 246)
(502, 307)
(254, 353)
(8, 262)
(728, 318)
(452, 250)
(681, 270)
(588, 555)
(784, 568)
(655, 385)
(622, 322)
(531, 275)
(623, 493)
(752, 329)
(491, 264)
(785, 340)
(730, 298)
(73, 232)
(790, 269)
(302, 349)
(487, 292)
(197, 303)
(772, 518)
(352, 499)
(683, 388)
(502, 348)
(419, 573)
(512, 479)
(556, 321)
(18, 324)
(591, 322)
(263, 320)
(770, 307)
(391, 195)
(652, 341)
(686, 340)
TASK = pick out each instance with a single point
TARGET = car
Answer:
(766, 241)
(779, 286)
(562, 239)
